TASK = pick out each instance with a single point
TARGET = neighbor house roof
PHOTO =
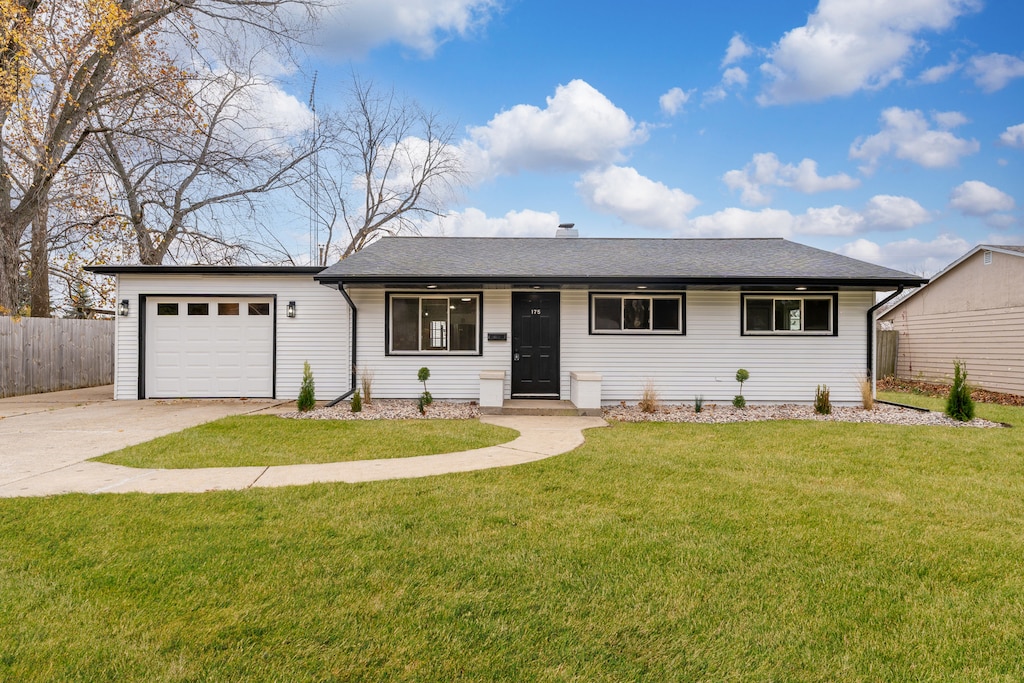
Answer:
(203, 270)
(396, 260)
(1011, 250)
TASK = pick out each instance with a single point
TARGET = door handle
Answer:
(515, 356)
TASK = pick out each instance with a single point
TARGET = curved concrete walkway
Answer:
(539, 438)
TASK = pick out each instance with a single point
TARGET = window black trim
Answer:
(643, 294)
(789, 295)
(432, 294)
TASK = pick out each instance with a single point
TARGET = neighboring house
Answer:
(499, 318)
(973, 310)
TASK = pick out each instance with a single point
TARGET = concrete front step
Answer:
(522, 406)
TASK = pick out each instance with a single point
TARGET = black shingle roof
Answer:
(554, 260)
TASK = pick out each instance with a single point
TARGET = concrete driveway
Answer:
(43, 433)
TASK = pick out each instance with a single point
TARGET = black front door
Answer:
(535, 344)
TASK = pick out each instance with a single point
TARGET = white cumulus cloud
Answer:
(734, 76)
(473, 222)
(910, 255)
(579, 128)
(937, 74)
(352, 28)
(992, 72)
(674, 101)
(888, 212)
(906, 134)
(737, 50)
(976, 198)
(1013, 136)
(851, 45)
(635, 199)
(765, 171)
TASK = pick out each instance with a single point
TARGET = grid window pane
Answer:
(607, 313)
(199, 309)
(167, 309)
(787, 315)
(227, 308)
(405, 312)
(666, 314)
(636, 314)
(434, 324)
(462, 314)
(817, 315)
(759, 315)
(259, 309)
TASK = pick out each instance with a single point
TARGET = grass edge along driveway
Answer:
(267, 440)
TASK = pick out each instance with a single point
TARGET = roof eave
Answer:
(203, 270)
(398, 280)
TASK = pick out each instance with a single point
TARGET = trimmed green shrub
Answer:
(307, 392)
(425, 398)
(698, 404)
(822, 404)
(960, 405)
(741, 377)
(357, 402)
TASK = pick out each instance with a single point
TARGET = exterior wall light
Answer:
(122, 308)
(290, 309)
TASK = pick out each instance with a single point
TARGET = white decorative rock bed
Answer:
(711, 414)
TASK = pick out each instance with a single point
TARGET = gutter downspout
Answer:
(353, 311)
(871, 334)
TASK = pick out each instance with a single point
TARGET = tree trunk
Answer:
(39, 280)
(10, 260)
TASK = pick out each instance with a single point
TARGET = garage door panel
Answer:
(212, 355)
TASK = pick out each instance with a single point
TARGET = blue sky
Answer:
(888, 131)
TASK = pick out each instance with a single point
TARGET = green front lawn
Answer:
(264, 440)
(789, 551)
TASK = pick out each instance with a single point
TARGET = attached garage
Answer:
(228, 332)
(209, 347)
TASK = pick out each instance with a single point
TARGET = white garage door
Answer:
(209, 347)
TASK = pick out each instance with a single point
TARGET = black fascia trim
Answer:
(638, 294)
(442, 354)
(204, 270)
(795, 295)
(142, 333)
(747, 283)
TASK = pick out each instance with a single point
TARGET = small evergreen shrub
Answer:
(307, 392)
(357, 402)
(739, 401)
(822, 404)
(425, 398)
(960, 405)
(698, 403)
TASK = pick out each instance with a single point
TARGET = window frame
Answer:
(680, 297)
(420, 296)
(833, 297)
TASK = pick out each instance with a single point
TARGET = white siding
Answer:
(318, 334)
(703, 362)
(452, 377)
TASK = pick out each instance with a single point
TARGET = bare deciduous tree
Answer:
(391, 166)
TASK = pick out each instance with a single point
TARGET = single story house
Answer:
(587, 319)
(973, 311)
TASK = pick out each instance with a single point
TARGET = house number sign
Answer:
(534, 311)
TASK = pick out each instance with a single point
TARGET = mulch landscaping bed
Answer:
(942, 390)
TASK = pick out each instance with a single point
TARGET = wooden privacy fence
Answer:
(51, 354)
(888, 349)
